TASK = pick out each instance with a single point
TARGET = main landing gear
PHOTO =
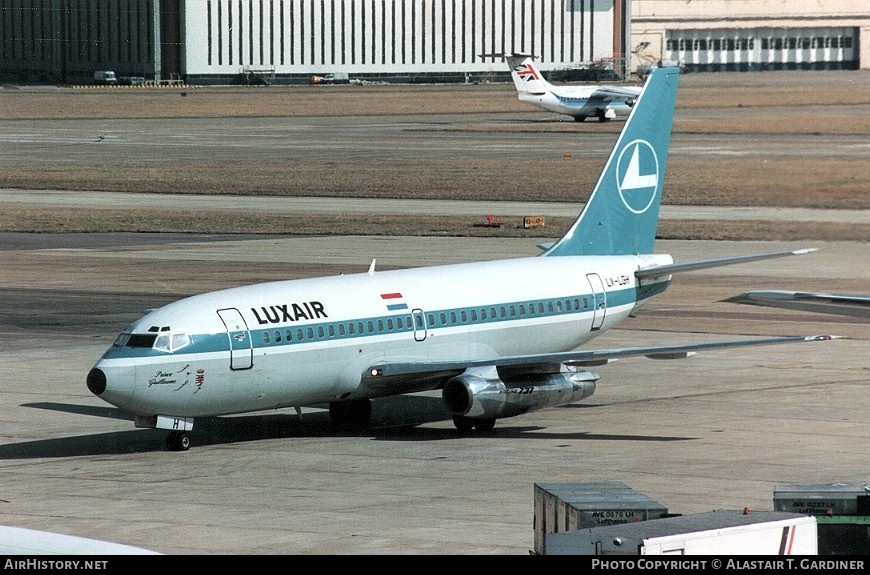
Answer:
(178, 441)
(358, 413)
(600, 114)
(466, 424)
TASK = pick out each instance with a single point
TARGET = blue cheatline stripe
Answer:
(403, 323)
(395, 306)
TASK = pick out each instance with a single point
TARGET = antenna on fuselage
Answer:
(372, 267)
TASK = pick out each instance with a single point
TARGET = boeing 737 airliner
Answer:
(499, 338)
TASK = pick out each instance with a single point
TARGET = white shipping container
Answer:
(714, 533)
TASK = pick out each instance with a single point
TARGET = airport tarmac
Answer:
(716, 431)
(95, 200)
(720, 430)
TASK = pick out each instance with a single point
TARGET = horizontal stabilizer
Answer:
(668, 269)
(507, 55)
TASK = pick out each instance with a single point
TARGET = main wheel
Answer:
(484, 424)
(466, 424)
(462, 423)
(178, 441)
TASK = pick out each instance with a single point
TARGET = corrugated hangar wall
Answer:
(751, 35)
(428, 39)
(65, 41)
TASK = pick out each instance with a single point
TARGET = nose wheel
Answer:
(178, 441)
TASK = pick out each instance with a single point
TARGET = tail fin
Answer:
(526, 76)
(621, 215)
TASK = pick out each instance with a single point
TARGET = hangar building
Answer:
(290, 41)
(751, 35)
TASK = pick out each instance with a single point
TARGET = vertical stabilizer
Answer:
(621, 215)
(526, 76)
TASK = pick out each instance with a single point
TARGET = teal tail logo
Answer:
(638, 187)
(621, 215)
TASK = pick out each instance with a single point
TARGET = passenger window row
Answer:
(433, 320)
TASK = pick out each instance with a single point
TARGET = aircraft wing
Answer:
(839, 304)
(420, 376)
(615, 92)
(406, 377)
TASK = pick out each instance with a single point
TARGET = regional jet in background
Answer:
(498, 338)
(818, 302)
(581, 102)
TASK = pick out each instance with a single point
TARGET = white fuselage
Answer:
(576, 102)
(309, 341)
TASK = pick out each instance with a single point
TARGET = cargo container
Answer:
(722, 532)
(823, 499)
(842, 511)
(563, 507)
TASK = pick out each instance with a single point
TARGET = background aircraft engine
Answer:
(477, 397)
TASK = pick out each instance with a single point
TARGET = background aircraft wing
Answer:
(407, 377)
(615, 92)
(839, 304)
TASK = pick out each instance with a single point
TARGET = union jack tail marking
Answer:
(527, 72)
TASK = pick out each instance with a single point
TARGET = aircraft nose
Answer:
(96, 381)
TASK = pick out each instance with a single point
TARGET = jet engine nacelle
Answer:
(477, 397)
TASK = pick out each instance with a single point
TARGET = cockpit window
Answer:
(171, 342)
(136, 339)
(162, 342)
(180, 340)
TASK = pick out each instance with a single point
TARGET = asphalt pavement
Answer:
(716, 431)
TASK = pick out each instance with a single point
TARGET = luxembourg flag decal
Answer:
(394, 301)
